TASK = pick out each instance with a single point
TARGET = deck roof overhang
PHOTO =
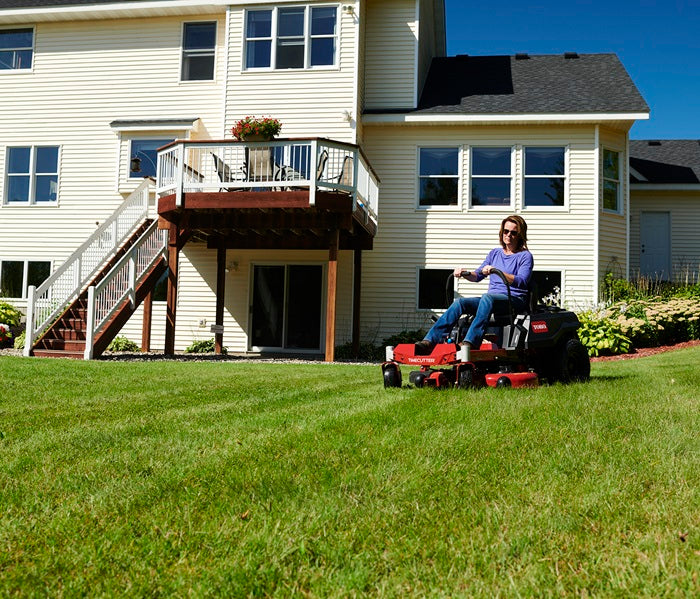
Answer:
(269, 220)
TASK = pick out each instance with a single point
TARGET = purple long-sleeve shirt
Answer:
(519, 265)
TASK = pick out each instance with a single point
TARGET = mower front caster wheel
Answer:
(392, 375)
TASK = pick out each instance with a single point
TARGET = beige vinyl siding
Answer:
(612, 240)
(685, 224)
(309, 102)
(197, 296)
(409, 238)
(85, 75)
(390, 54)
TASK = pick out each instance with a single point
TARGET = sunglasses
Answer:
(512, 232)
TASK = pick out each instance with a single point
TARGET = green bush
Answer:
(206, 346)
(19, 340)
(9, 315)
(121, 343)
(602, 335)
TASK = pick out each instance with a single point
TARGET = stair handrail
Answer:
(47, 301)
(122, 281)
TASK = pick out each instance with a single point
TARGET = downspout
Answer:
(596, 217)
(628, 217)
(416, 56)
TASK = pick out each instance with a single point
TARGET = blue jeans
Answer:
(481, 307)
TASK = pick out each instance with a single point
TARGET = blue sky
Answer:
(658, 42)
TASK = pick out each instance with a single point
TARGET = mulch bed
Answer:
(643, 352)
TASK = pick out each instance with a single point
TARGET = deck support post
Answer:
(332, 293)
(146, 324)
(356, 297)
(220, 294)
(173, 258)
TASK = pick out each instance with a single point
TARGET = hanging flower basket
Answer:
(251, 128)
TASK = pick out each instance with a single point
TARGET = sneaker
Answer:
(424, 348)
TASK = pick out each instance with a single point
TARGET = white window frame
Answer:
(207, 52)
(618, 181)
(511, 176)
(32, 174)
(565, 177)
(25, 274)
(452, 207)
(273, 38)
(32, 48)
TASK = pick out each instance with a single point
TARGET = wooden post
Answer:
(356, 297)
(332, 294)
(220, 293)
(173, 257)
(146, 326)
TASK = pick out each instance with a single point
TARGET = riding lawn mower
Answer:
(519, 350)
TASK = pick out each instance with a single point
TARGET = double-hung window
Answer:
(31, 175)
(545, 176)
(198, 51)
(611, 180)
(491, 180)
(438, 177)
(16, 49)
(17, 275)
(295, 37)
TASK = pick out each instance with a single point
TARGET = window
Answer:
(16, 49)
(546, 283)
(545, 179)
(143, 158)
(17, 275)
(198, 51)
(32, 175)
(291, 38)
(491, 176)
(611, 180)
(434, 289)
(438, 177)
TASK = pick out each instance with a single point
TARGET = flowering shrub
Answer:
(9, 314)
(266, 127)
(5, 333)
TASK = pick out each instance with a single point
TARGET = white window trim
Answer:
(182, 51)
(307, 39)
(460, 172)
(25, 275)
(619, 209)
(523, 178)
(33, 48)
(511, 176)
(32, 177)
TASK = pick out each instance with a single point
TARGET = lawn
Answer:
(266, 479)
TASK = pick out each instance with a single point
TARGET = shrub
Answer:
(9, 315)
(19, 340)
(5, 334)
(601, 335)
(121, 343)
(205, 346)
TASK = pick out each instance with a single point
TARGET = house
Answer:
(665, 209)
(394, 164)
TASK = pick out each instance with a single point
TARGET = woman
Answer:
(515, 261)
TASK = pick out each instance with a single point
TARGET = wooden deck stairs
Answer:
(66, 337)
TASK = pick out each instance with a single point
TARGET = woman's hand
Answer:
(486, 270)
(461, 272)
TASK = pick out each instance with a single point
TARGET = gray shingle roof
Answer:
(530, 84)
(674, 161)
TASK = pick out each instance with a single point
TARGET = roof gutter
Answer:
(463, 119)
(665, 186)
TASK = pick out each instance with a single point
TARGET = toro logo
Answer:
(539, 326)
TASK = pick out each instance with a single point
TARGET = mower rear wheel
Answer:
(573, 363)
(392, 376)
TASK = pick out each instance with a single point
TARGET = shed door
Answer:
(655, 245)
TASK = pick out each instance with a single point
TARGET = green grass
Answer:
(237, 479)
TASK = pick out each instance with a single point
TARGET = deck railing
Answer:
(280, 165)
(46, 302)
(122, 281)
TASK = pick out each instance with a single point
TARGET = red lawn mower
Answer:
(519, 350)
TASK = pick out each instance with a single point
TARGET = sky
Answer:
(658, 42)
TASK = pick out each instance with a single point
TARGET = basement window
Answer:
(17, 275)
(433, 288)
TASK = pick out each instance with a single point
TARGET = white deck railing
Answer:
(46, 302)
(122, 281)
(280, 165)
